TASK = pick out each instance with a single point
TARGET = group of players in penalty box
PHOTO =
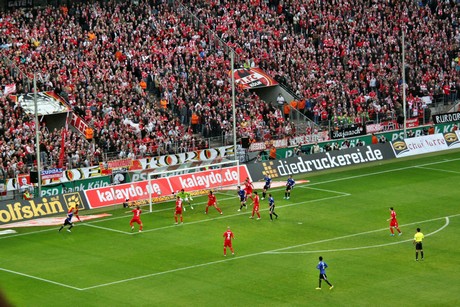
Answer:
(185, 197)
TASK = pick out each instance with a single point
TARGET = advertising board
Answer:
(321, 161)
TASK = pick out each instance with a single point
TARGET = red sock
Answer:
(392, 231)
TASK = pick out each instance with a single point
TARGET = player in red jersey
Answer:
(393, 222)
(228, 236)
(248, 187)
(179, 208)
(76, 213)
(212, 201)
(136, 218)
(256, 203)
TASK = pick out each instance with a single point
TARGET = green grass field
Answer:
(339, 215)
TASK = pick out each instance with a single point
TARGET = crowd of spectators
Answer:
(149, 78)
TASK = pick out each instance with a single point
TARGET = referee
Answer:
(418, 238)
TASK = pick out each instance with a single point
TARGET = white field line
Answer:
(39, 278)
(438, 170)
(224, 216)
(324, 190)
(238, 257)
(104, 228)
(269, 252)
(228, 259)
(363, 247)
(309, 185)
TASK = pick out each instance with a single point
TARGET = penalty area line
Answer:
(238, 257)
(324, 190)
(275, 251)
(105, 228)
(361, 247)
(41, 279)
(438, 170)
(358, 234)
(225, 216)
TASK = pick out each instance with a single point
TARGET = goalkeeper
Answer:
(186, 198)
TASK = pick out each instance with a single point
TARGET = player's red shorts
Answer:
(179, 211)
(393, 223)
(211, 204)
(256, 208)
(227, 243)
(138, 221)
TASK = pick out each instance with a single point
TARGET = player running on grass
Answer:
(322, 266)
(393, 222)
(242, 196)
(68, 220)
(271, 203)
(76, 212)
(185, 197)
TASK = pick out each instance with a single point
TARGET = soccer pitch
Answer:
(340, 215)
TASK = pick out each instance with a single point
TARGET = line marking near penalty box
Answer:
(275, 251)
(361, 247)
(309, 186)
(225, 216)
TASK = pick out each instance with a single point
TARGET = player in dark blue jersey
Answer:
(271, 203)
(268, 183)
(68, 220)
(289, 186)
(242, 195)
(322, 266)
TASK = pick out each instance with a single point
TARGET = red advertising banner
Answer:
(114, 164)
(208, 179)
(136, 191)
(412, 122)
(390, 125)
(382, 126)
(162, 187)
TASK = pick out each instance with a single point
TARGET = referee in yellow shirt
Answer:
(418, 238)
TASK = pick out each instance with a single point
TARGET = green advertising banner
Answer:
(74, 186)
